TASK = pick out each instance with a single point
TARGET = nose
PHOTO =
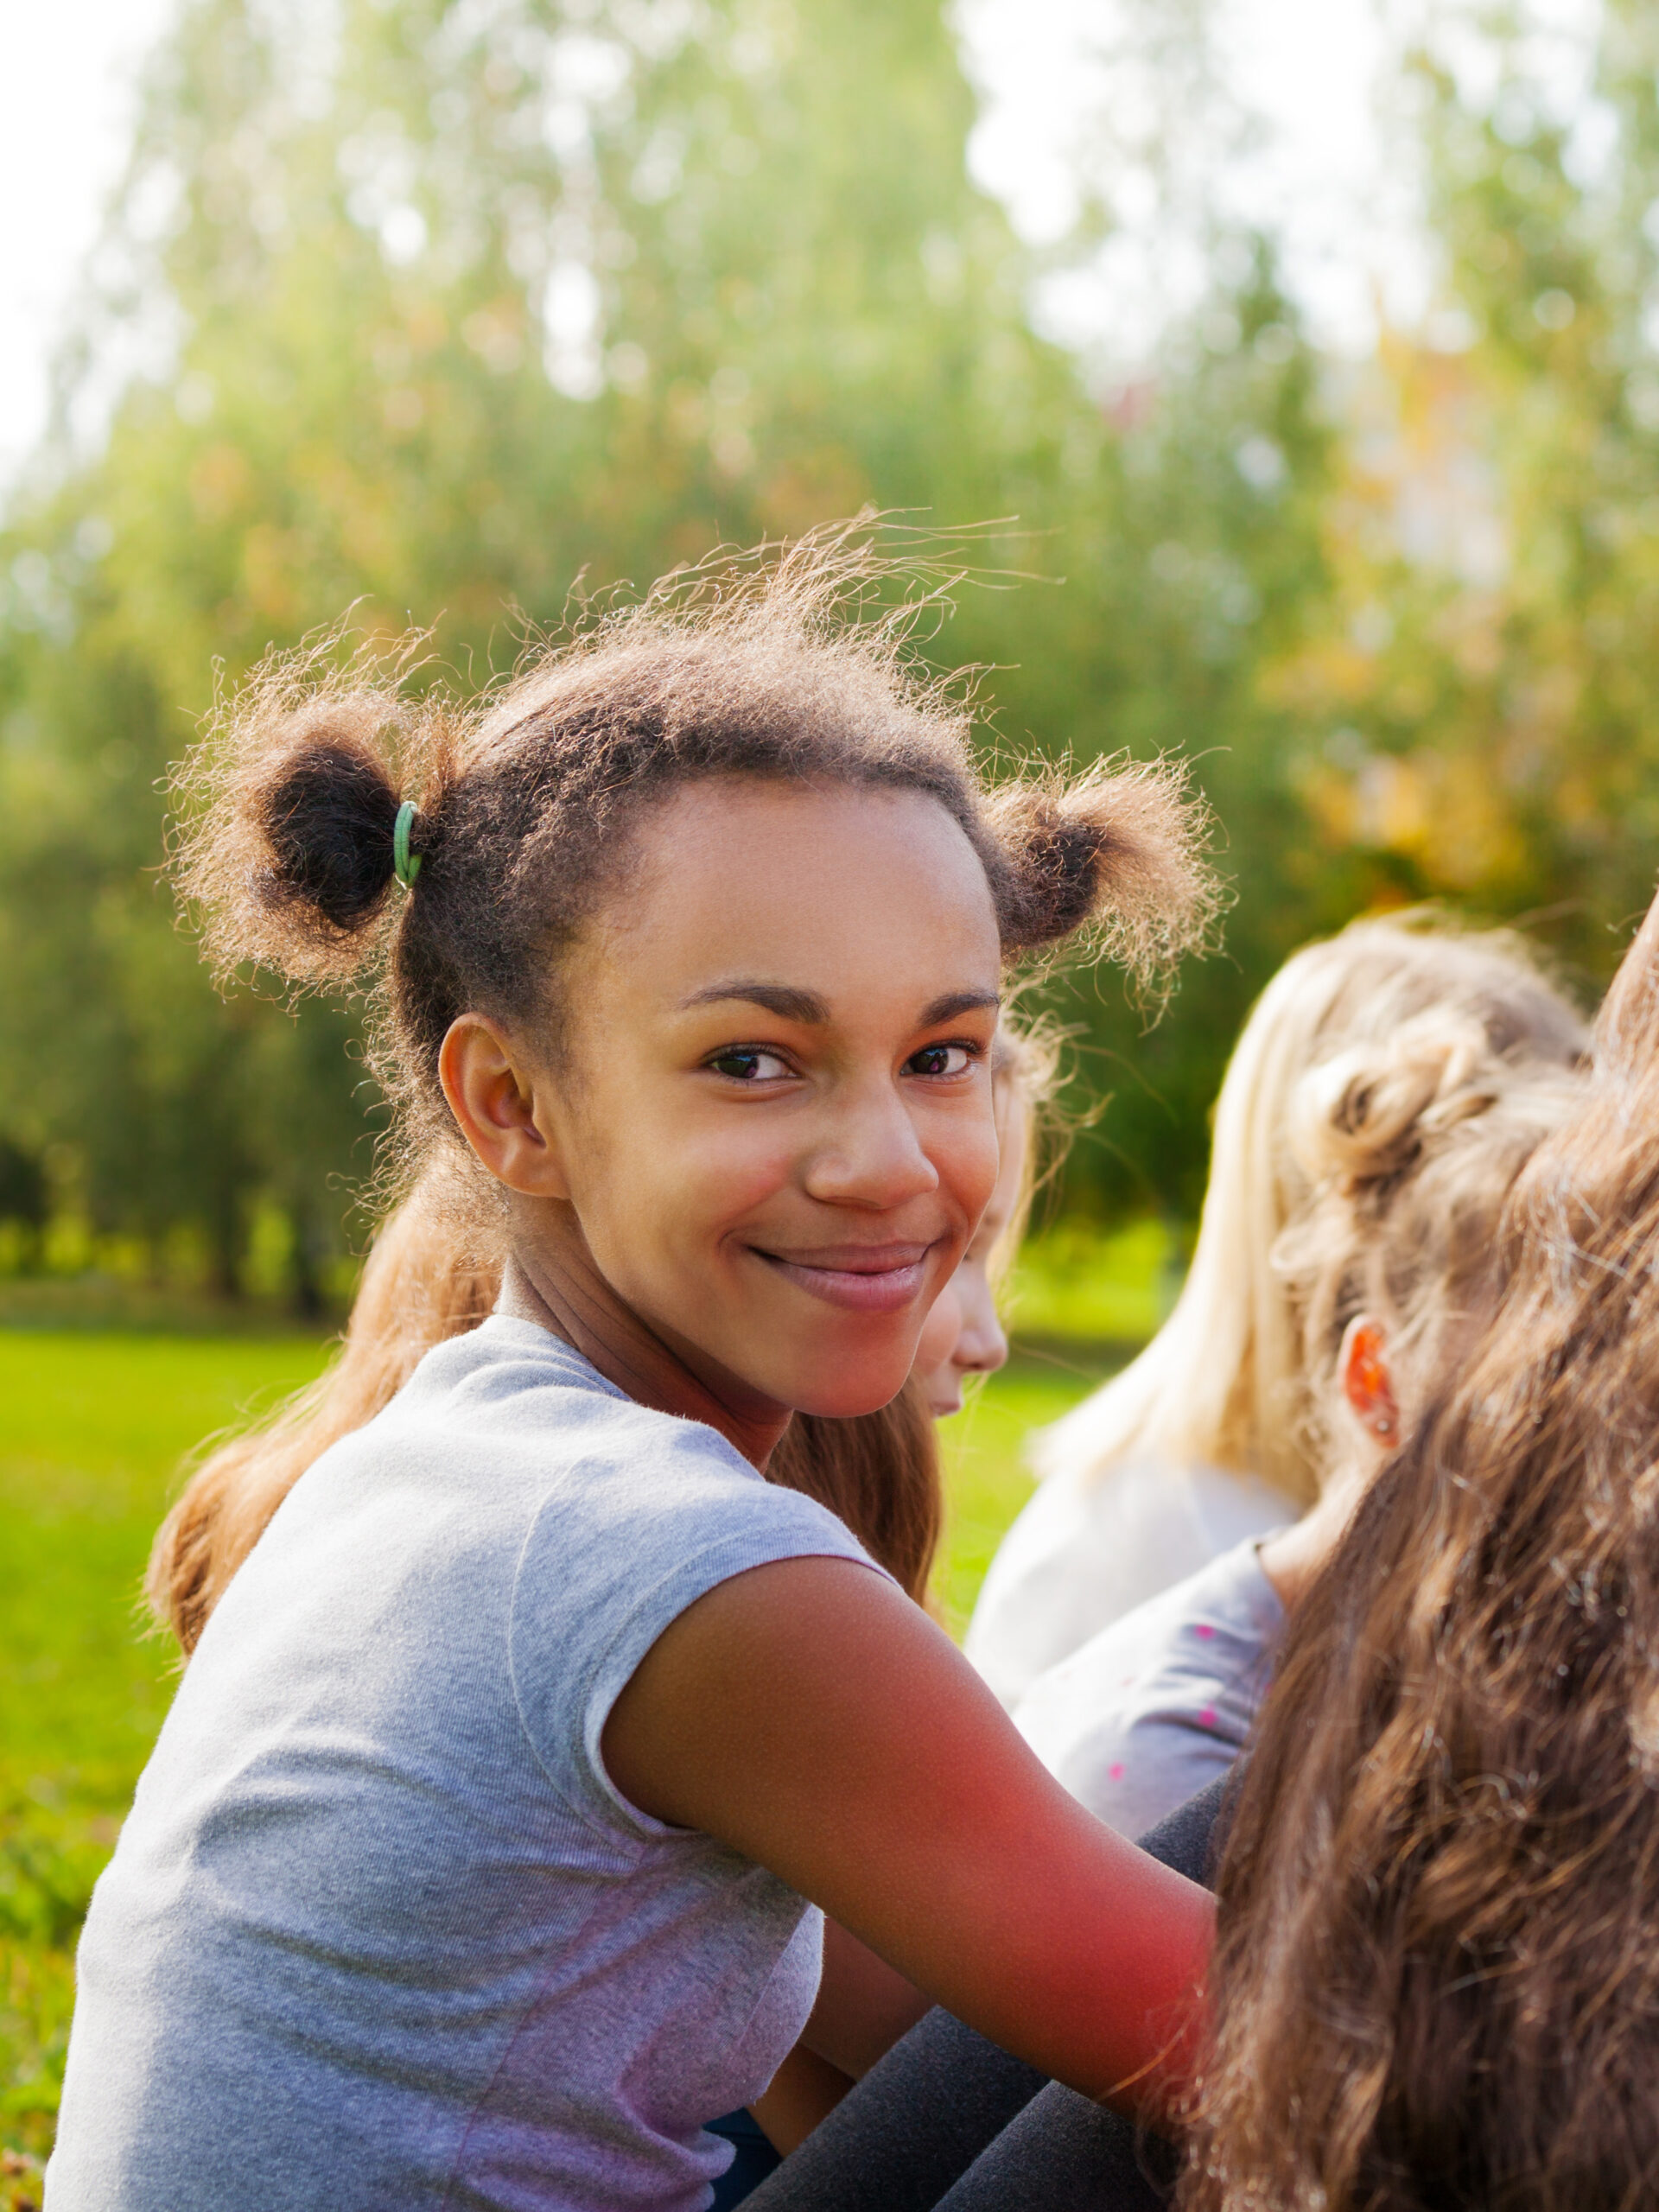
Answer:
(982, 1345)
(867, 1152)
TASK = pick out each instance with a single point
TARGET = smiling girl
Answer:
(472, 1865)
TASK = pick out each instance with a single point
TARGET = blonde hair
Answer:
(1410, 1146)
(1026, 1076)
(1224, 1383)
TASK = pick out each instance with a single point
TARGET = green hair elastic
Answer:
(405, 865)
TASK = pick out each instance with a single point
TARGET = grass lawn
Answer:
(92, 1428)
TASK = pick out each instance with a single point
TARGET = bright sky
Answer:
(65, 105)
(1048, 76)
(1320, 176)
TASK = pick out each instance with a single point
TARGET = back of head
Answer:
(1407, 1147)
(1438, 1976)
(1225, 1383)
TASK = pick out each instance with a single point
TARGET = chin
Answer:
(840, 1396)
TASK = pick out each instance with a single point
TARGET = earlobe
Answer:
(1367, 1380)
(495, 1101)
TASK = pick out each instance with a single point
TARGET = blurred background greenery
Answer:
(451, 309)
(437, 306)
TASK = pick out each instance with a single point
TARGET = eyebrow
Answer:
(790, 1004)
(955, 1002)
(781, 998)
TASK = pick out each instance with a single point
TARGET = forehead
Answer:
(811, 887)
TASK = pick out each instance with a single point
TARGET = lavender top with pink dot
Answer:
(1152, 1708)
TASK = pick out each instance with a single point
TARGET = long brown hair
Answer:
(1437, 1983)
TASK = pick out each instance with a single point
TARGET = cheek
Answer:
(671, 1179)
(725, 1168)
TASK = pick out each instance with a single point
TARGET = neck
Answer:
(1292, 1558)
(551, 1278)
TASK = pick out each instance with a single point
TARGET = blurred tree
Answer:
(437, 305)
(451, 307)
(25, 1200)
(1477, 714)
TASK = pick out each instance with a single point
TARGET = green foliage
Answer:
(462, 307)
(1071, 1286)
(94, 1430)
(803, 305)
(1477, 708)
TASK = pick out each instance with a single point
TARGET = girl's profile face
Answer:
(773, 1113)
(964, 1334)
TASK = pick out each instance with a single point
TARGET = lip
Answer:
(859, 1277)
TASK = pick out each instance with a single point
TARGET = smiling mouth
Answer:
(883, 1278)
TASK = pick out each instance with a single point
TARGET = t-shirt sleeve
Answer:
(618, 1551)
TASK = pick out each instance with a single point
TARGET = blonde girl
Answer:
(1408, 1148)
(1212, 1437)
(474, 1862)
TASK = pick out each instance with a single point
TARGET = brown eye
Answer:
(940, 1060)
(747, 1064)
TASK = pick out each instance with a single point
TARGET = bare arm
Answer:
(863, 2006)
(815, 1719)
(862, 2009)
(804, 2090)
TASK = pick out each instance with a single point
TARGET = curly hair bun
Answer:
(329, 820)
(1118, 848)
(293, 855)
(1364, 1116)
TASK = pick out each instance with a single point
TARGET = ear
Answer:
(494, 1097)
(1367, 1380)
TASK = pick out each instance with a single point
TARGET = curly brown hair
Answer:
(791, 664)
(765, 666)
(1437, 1983)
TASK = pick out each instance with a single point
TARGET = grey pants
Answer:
(946, 2122)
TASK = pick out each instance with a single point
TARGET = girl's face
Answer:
(962, 1335)
(772, 1119)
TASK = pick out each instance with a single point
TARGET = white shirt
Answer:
(1089, 1548)
(1163, 1701)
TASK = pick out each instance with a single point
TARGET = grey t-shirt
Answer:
(1147, 1712)
(379, 1933)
